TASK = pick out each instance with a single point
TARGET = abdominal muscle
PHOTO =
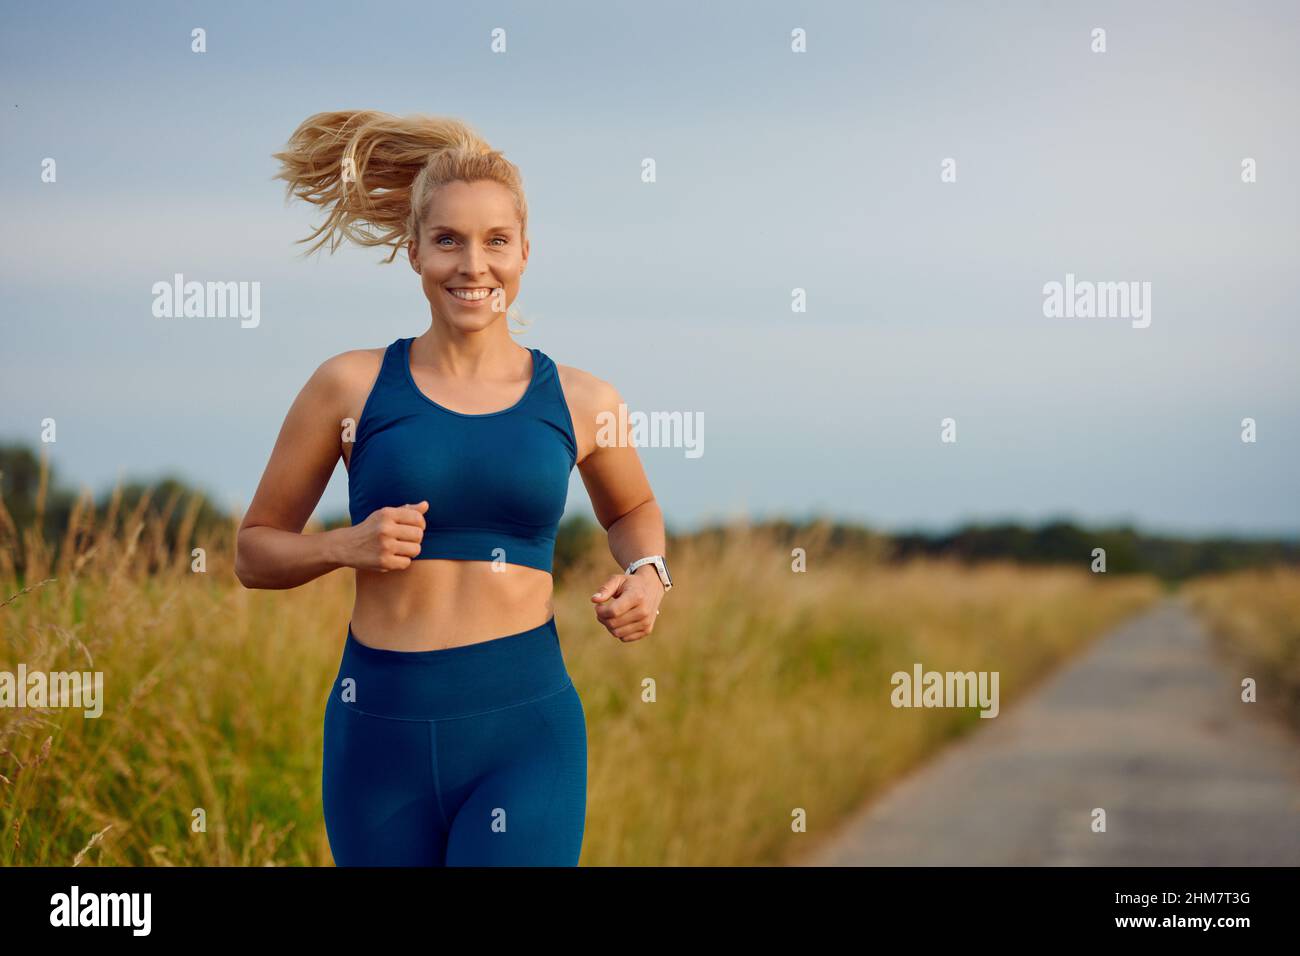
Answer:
(433, 604)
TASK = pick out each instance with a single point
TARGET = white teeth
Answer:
(470, 294)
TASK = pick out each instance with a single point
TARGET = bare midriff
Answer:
(435, 603)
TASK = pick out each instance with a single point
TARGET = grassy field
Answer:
(1255, 617)
(772, 696)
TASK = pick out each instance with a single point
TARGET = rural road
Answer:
(1148, 724)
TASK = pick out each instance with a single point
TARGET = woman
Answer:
(453, 734)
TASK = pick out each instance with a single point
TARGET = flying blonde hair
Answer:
(375, 173)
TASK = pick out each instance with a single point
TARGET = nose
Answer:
(473, 260)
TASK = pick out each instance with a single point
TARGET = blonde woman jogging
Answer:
(453, 733)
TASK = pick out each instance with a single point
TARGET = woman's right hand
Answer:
(388, 539)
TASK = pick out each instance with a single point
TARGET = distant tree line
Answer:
(1127, 550)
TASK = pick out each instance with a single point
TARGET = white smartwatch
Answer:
(658, 561)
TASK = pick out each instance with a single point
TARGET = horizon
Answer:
(803, 518)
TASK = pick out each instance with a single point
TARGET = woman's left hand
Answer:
(627, 604)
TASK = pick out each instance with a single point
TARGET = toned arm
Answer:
(271, 551)
(613, 474)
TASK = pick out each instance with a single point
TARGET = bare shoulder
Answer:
(341, 384)
(341, 377)
(338, 389)
(588, 396)
(586, 391)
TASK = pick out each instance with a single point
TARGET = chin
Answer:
(461, 324)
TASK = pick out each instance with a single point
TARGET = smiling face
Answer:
(470, 241)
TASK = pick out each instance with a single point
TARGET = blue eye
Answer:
(494, 239)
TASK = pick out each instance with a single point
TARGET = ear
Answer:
(412, 253)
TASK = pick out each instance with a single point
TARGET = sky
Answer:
(776, 170)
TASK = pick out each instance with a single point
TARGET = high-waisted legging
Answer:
(474, 755)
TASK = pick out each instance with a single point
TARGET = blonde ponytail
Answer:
(375, 172)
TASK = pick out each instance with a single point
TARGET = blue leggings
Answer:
(473, 755)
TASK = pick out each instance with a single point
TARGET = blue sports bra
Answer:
(496, 483)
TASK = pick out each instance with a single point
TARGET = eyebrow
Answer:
(459, 233)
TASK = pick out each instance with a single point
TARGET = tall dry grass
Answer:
(1255, 617)
(772, 694)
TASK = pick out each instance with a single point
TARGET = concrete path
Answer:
(1148, 724)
